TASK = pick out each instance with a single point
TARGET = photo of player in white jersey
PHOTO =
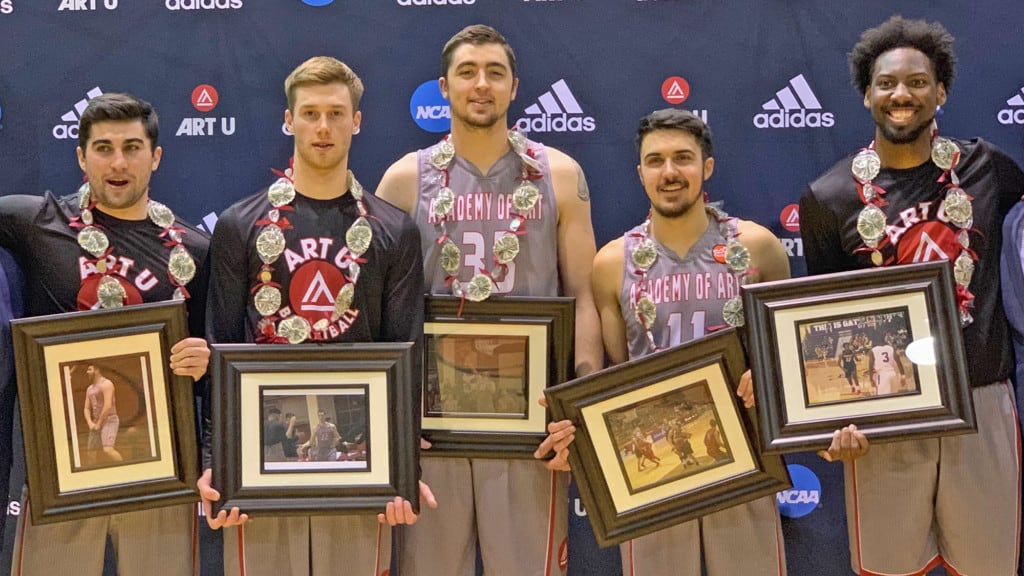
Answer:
(855, 357)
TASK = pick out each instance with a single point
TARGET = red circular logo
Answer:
(675, 90)
(88, 300)
(926, 242)
(719, 253)
(790, 217)
(205, 98)
(313, 289)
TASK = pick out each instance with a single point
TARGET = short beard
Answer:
(674, 212)
(905, 137)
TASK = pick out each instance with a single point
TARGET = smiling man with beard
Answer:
(916, 504)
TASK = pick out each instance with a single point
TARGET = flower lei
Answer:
(506, 248)
(181, 267)
(956, 204)
(645, 254)
(270, 244)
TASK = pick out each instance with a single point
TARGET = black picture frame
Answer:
(898, 306)
(510, 348)
(371, 380)
(143, 458)
(684, 392)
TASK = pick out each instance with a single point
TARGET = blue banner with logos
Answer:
(770, 78)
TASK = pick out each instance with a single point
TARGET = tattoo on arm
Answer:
(582, 190)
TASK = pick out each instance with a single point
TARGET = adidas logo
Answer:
(70, 118)
(1013, 115)
(435, 2)
(556, 111)
(203, 4)
(792, 108)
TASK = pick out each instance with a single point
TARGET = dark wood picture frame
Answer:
(940, 405)
(241, 372)
(547, 325)
(47, 351)
(615, 510)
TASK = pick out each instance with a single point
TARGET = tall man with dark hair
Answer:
(110, 245)
(684, 235)
(315, 258)
(531, 237)
(917, 504)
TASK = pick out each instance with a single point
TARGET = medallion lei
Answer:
(956, 204)
(181, 267)
(645, 254)
(270, 244)
(506, 247)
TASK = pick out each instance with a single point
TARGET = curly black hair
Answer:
(931, 38)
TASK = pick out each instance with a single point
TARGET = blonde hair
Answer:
(323, 70)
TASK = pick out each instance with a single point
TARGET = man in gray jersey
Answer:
(684, 237)
(468, 194)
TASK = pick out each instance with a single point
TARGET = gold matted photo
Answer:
(662, 439)
(108, 426)
(879, 348)
(485, 367)
(314, 428)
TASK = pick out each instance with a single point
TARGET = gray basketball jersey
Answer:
(483, 212)
(688, 291)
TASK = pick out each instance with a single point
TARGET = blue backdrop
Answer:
(770, 77)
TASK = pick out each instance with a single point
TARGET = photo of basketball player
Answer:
(665, 438)
(109, 407)
(856, 357)
(321, 431)
(472, 376)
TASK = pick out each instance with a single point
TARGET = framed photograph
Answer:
(485, 366)
(314, 428)
(108, 426)
(879, 348)
(662, 439)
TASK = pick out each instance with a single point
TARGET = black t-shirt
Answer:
(916, 232)
(388, 293)
(37, 231)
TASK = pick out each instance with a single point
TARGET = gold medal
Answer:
(281, 193)
(644, 254)
(359, 236)
(871, 224)
(93, 241)
(732, 312)
(295, 329)
(525, 196)
(451, 258)
(160, 215)
(343, 301)
(181, 265)
(442, 154)
(267, 300)
(737, 257)
(943, 152)
(963, 269)
(479, 288)
(110, 293)
(957, 207)
(444, 202)
(646, 312)
(270, 244)
(866, 165)
(876, 258)
(506, 248)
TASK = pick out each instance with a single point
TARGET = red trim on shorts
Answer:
(241, 549)
(21, 538)
(952, 571)
(551, 523)
(376, 556)
(935, 562)
(856, 516)
(195, 540)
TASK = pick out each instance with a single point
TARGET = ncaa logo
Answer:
(429, 109)
(317, 2)
(790, 217)
(805, 495)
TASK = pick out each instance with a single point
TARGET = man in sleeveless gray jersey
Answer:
(685, 239)
(466, 194)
